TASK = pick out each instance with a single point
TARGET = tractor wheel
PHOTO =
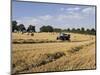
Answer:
(57, 38)
(69, 40)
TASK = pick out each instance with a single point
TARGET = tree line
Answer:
(82, 30)
(49, 28)
(21, 27)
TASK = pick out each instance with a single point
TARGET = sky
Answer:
(57, 15)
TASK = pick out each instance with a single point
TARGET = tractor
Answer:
(63, 37)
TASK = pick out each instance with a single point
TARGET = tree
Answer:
(68, 29)
(93, 30)
(46, 29)
(78, 29)
(31, 28)
(82, 29)
(73, 30)
(88, 30)
(21, 28)
(57, 30)
(14, 26)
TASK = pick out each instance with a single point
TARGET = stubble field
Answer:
(43, 53)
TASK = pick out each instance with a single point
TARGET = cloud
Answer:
(70, 16)
(45, 17)
(62, 9)
(35, 20)
(89, 10)
(49, 19)
(73, 9)
(59, 18)
(70, 9)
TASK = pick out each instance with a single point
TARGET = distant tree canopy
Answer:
(73, 30)
(82, 29)
(88, 30)
(14, 26)
(21, 28)
(46, 29)
(57, 30)
(93, 30)
(68, 29)
(31, 28)
(78, 29)
(49, 28)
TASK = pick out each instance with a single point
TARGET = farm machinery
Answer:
(63, 37)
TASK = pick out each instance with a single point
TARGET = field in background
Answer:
(47, 37)
(43, 53)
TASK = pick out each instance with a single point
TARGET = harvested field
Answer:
(32, 55)
(46, 37)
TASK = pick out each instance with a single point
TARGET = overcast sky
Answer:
(58, 15)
